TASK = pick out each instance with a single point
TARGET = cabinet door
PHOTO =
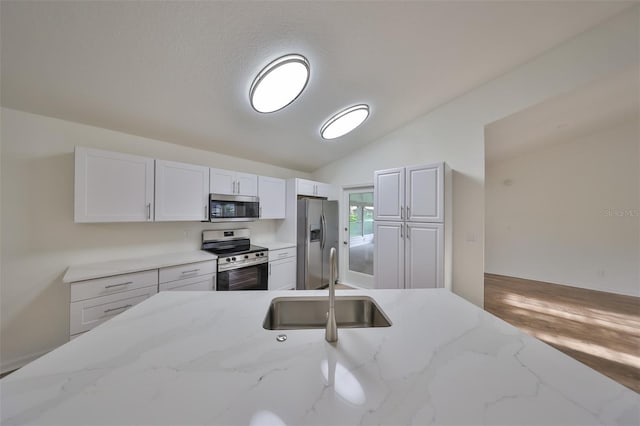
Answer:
(246, 184)
(182, 191)
(222, 181)
(272, 193)
(112, 187)
(424, 255)
(282, 274)
(388, 259)
(388, 199)
(201, 283)
(323, 190)
(425, 193)
(306, 187)
(87, 314)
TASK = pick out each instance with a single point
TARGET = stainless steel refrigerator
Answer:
(317, 233)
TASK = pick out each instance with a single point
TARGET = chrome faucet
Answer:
(331, 333)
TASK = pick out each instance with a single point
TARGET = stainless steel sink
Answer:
(289, 313)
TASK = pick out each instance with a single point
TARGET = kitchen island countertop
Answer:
(186, 358)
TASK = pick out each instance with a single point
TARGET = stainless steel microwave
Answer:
(233, 208)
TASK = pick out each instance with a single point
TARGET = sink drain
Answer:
(281, 337)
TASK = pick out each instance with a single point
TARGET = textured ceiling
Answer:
(595, 106)
(181, 71)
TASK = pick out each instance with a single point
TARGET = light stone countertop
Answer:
(124, 266)
(187, 358)
(275, 245)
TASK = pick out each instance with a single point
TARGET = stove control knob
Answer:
(257, 254)
(228, 260)
(233, 258)
(246, 256)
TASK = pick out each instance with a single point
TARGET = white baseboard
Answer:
(16, 363)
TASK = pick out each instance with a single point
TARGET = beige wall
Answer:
(40, 239)
(454, 132)
(569, 213)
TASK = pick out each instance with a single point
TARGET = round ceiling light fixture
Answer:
(344, 121)
(279, 83)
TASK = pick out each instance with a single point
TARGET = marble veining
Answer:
(203, 358)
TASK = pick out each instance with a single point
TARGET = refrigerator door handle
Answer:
(323, 228)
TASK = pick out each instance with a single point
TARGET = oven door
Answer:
(254, 277)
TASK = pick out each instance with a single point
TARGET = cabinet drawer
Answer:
(188, 270)
(87, 314)
(282, 253)
(202, 283)
(83, 290)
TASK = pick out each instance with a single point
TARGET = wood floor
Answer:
(601, 330)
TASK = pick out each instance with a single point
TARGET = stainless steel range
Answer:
(241, 265)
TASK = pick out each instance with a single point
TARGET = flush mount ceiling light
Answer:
(344, 121)
(279, 83)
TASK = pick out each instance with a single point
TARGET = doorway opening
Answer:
(358, 238)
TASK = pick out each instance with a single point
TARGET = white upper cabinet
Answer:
(182, 191)
(414, 194)
(425, 193)
(112, 187)
(388, 199)
(246, 184)
(229, 182)
(424, 255)
(272, 193)
(313, 188)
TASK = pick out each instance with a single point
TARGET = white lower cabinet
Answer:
(97, 300)
(199, 276)
(388, 258)
(282, 269)
(424, 262)
(202, 283)
(87, 314)
(409, 255)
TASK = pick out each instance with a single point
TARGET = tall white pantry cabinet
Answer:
(409, 209)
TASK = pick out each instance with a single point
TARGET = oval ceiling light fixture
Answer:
(344, 121)
(279, 83)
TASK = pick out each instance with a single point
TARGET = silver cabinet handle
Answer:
(148, 211)
(282, 254)
(234, 187)
(408, 232)
(206, 212)
(117, 309)
(401, 212)
(260, 214)
(118, 285)
(238, 187)
(269, 269)
(401, 230)
(191, 271)
(408, 212)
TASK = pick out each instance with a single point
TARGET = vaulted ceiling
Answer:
(181, 71)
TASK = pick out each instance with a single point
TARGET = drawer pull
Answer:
(282, 254)
(192, 271)
(117, 309)
(118, 285)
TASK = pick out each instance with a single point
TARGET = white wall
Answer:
(569, 213)
(454, 132)
(39, 238)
